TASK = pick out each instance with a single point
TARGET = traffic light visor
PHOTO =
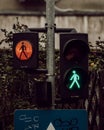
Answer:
(75, 49)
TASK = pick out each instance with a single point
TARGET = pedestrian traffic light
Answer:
(73, 65)
(25, 50)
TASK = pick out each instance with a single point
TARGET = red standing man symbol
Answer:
(23, 50)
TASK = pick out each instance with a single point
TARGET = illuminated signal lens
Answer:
(75, 79)
(23, 50)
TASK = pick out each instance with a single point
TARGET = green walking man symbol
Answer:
(74, 78)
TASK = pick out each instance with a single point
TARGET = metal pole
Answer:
(50, 14)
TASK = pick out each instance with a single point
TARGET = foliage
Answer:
(96, 57)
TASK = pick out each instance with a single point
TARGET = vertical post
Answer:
(50, 14)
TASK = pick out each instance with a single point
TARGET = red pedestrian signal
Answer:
(25, 50)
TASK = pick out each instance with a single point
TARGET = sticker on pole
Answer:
(23, 50)
(51, 120)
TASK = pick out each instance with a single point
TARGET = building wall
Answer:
(39, 5)
(93, 25)
(81, 4)
(13, 5)
(33, 15)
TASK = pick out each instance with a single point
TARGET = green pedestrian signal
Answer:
(74, 51)
(75, 80)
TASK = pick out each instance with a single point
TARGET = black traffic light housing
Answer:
(42, 93)
(74, 51)
(25, 50)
